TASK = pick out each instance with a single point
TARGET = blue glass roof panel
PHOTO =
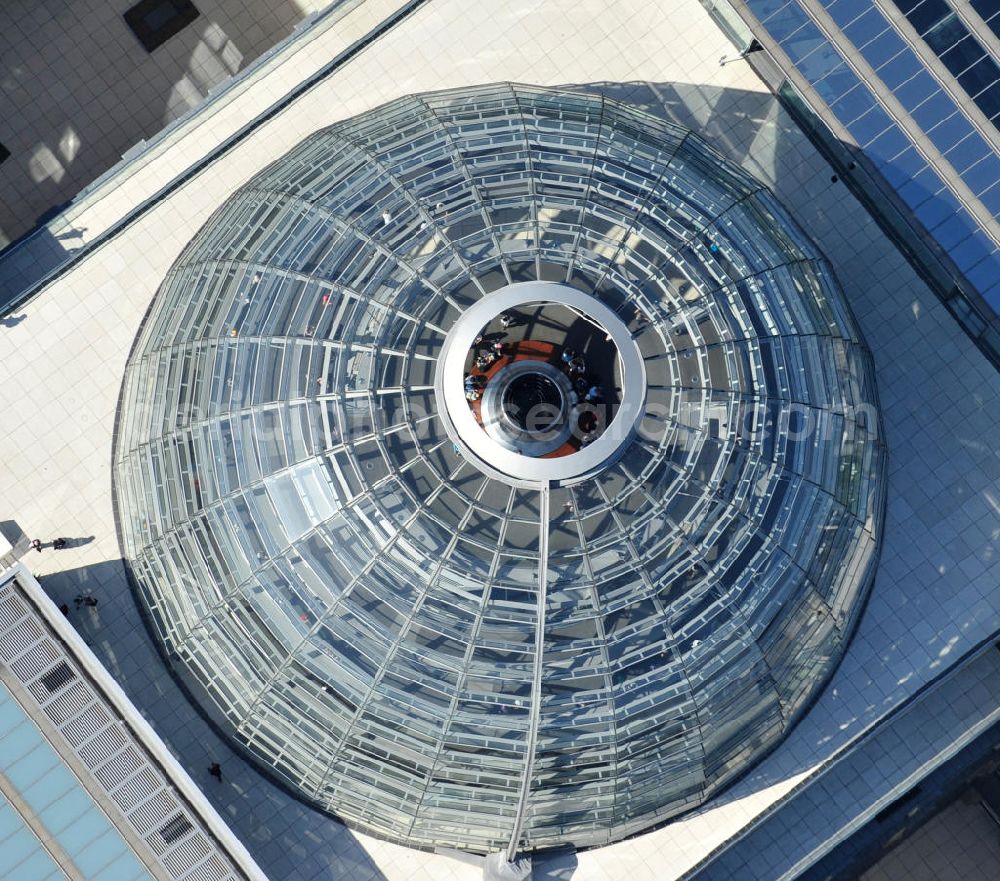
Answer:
(903, 73)
(60, 803)
(989, 11)
(22, 857)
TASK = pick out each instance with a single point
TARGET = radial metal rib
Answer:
(536, 684)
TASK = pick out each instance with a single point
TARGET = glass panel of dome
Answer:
(423, 206)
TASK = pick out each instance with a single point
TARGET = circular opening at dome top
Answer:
(545, 372)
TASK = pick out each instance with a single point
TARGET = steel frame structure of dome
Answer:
(403, 633)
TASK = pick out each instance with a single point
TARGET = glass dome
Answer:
(414, 603)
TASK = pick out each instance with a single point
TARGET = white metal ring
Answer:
(489, 455)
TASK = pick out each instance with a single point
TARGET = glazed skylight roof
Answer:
(355, 590)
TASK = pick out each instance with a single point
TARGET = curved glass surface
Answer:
(357, 604)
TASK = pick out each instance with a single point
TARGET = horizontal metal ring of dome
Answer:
(401, 633)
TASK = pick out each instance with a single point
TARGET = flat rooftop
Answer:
(959, 842)
(936, 594)
(84, 90)
(84, 795)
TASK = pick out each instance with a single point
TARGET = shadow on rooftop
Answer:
(555, 865)
(289, 840)
(84, 90)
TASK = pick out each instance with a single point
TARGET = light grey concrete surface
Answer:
(937, 589)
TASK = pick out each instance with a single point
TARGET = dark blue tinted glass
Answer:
(842, 11)
(923, 14)
(965, 59)
(975, 251)
(917, 90)
(967, 152)
(990, 196)
(899, 70)
(818, 64)
(853, 104)
(836, 83)
(934, 211)
(950, 131)
(764, 9)
(983, 179)
(960, 55)
(787, 22)
(953, 231)
(989, 11)
(870, 126)
(880, 49)
(888, 145)
(935, 110)
(979, 77)
(985, 275)
(923, 189)
(803, 43)
(989, 102)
